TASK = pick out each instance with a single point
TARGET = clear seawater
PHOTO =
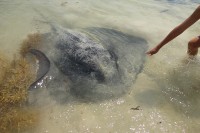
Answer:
(167, 89)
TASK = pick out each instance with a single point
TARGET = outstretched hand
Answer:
(152, 51)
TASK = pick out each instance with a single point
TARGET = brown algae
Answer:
(15, 79)
(32, 41)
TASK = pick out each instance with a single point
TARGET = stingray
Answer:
(100, 63)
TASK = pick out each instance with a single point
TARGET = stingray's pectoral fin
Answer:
(44, 66)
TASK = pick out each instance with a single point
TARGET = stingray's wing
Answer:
(44, 66)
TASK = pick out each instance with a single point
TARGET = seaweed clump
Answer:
(15, 79)
(32, 41)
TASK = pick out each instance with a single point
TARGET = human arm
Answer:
(177, 31)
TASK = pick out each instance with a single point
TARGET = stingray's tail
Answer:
(44, 66)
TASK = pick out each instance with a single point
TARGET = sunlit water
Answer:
(167, 89)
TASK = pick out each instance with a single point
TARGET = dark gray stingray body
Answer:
(100, 63)
(79, 57)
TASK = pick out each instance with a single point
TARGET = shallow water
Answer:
(167, 89)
